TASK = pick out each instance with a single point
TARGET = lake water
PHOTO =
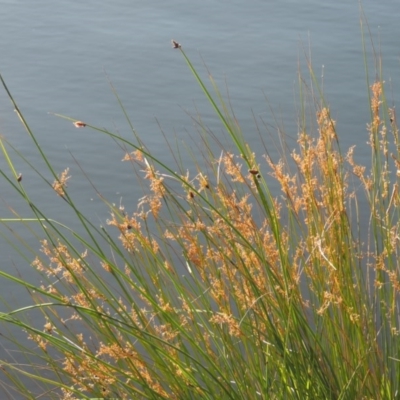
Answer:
(55, 58)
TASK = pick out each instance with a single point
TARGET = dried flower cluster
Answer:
(61, 182)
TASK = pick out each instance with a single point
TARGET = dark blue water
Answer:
(58, 57)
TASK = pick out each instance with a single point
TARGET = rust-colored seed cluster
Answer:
(61, 183)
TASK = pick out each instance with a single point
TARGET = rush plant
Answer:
(215, 287)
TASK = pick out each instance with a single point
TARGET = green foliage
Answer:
(216, 288)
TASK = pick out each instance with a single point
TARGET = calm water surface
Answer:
(56, 56)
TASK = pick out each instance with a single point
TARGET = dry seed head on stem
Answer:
(203, 181)
(175, 44)
(136, 155)
(376, 89)
(79, 124)
(233, 168)
(61, 183)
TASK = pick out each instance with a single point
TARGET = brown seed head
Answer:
(175, 44)
(79, 124)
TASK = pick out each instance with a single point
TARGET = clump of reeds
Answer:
(216, 288)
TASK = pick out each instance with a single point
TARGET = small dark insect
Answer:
(258, 176)
(79, 124)
(191, 195)
(19, 178)
(253, 171)
(391, 119)
(175, 44)
(128, 226)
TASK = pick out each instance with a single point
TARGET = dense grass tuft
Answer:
(216, 288)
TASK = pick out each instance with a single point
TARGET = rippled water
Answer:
(57, 57)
